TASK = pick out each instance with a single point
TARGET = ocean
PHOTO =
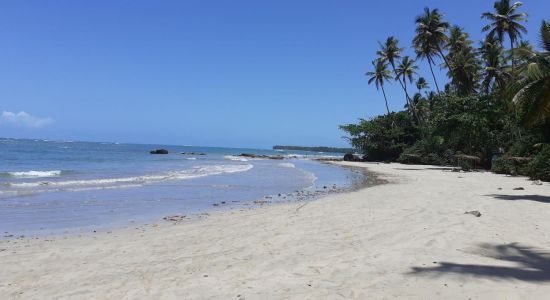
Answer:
(53, 187)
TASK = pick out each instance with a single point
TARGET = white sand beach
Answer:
(407, 239)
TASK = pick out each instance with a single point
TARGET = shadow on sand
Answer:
(532, 264)
(428, 168)
(537, 198)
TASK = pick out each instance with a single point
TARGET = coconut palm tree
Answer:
(523, 45)
(421, 84)
(495, 70)
(464, 64)
(406, 70)
(464, 72)
(458, 40)
(505, 21)
(420, 105)
(426, 52)
(532, 90)
(379, 75)
(390, 52)
(430, 38)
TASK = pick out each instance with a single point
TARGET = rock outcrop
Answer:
(159, 151)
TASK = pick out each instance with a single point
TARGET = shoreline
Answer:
(407, 238)
(214, 202)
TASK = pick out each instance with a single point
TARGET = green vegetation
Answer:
(494, 111)
(315, 149)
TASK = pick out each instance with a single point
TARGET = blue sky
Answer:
(213, 73)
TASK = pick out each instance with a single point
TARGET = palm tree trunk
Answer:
(411, 104)
(407, 98)
(444, 58)
(385, 99)
(433, 75)
(513, 58)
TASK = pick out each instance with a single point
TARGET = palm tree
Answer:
(523, 45)
(464, 72)
(463, 61)
(421, 84)
(533, 87)
(425, 51)
(430, 37)
(420, 106)
(390, 52)
(505, 21)
(432, 97)
(496, 72)
(379, 75)
(458, 40)
(406, 70)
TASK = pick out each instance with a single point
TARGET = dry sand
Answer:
(408, 239)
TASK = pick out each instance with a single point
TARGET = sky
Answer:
(235, 73)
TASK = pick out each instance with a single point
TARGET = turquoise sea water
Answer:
(49, 187)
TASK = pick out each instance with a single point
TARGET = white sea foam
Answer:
(191, 158)
(287, 165)
(35, 174)
(235, 158)
(199, 171)
(311, 177)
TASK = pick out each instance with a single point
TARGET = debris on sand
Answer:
(174, 218)
(261, 201)
(474, 212)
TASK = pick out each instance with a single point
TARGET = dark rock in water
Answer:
(474, 212)
(519, 189)
(351, 157)
(193, 153)
(159, 151)
(251, 155)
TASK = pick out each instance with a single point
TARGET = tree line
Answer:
(493, 111)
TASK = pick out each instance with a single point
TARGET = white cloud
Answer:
(23, 119)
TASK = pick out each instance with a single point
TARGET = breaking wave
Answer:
(235, 158)
(287, 165)
(123, 182)
(32, 174)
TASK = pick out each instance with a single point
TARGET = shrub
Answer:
(503, 166)
(383, 138)
(539, 167)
